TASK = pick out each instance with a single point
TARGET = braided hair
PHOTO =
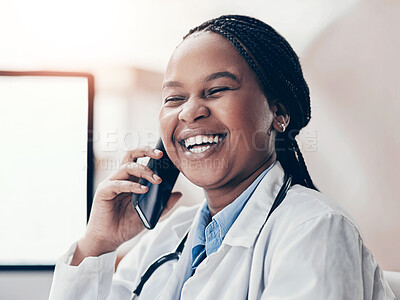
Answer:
(278, 70)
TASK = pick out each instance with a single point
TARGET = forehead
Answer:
(202, 54)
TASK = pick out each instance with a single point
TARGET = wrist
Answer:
(88, 247)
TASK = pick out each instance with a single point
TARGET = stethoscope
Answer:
(175, 255)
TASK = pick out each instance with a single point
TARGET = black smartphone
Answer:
(149, 206)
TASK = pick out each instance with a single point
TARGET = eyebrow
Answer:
(210, 77)
(171, 84)
(222, 74)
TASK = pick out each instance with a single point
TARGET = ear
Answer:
(281, 117)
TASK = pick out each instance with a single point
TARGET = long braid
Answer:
(279, 73)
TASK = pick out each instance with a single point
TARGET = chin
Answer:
(205, 178)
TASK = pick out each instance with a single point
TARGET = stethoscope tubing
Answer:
(158, 263)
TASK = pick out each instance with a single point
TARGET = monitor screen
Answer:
(46, 173)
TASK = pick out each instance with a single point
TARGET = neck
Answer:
(220, 197)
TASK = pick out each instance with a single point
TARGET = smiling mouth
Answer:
(202, 142)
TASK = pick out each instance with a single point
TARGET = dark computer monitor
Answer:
(46, 170)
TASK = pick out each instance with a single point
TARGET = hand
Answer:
(113, 219)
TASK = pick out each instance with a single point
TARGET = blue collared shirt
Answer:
(210, 232)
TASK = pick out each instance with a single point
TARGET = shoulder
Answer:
(309, 222)
(303, 205)
(307, 212)
(310, 241)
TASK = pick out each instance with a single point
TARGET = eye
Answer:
(216, 90)
(174, 98)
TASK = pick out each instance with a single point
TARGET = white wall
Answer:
(353, 71)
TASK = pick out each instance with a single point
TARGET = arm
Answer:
(323, 258)
(90, 280)
(86, 271)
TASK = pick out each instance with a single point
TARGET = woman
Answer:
(234, 98)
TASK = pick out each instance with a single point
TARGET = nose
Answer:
(193, 109)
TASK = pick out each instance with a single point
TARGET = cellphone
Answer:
(149, 206)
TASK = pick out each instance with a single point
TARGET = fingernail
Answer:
(143, 187)
(156, 177)
(156, 151)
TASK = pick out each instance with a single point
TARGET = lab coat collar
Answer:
(247, 226)
(181, 228)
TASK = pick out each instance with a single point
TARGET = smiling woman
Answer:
(234, 98)
(218, 98)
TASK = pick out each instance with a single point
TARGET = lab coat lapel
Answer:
(182, 269)
(181, 228)
(250, 221)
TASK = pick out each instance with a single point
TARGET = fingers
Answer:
(121, 181)
(137, 170)
(116, 187)
(143, 151)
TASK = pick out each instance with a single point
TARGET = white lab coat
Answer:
(307, 250)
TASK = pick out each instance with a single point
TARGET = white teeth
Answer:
(190, 141)
(201, 139)
(199, 149)
(216, 139)
(204, 139)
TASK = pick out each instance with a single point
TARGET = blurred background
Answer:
(349, 53)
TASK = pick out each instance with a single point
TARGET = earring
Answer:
(282, 126)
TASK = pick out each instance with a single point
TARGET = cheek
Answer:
(249, 125)
(252, 115)
(167, 121)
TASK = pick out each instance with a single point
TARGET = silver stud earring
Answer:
(282, 126)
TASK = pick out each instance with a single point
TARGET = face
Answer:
(214, 120)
